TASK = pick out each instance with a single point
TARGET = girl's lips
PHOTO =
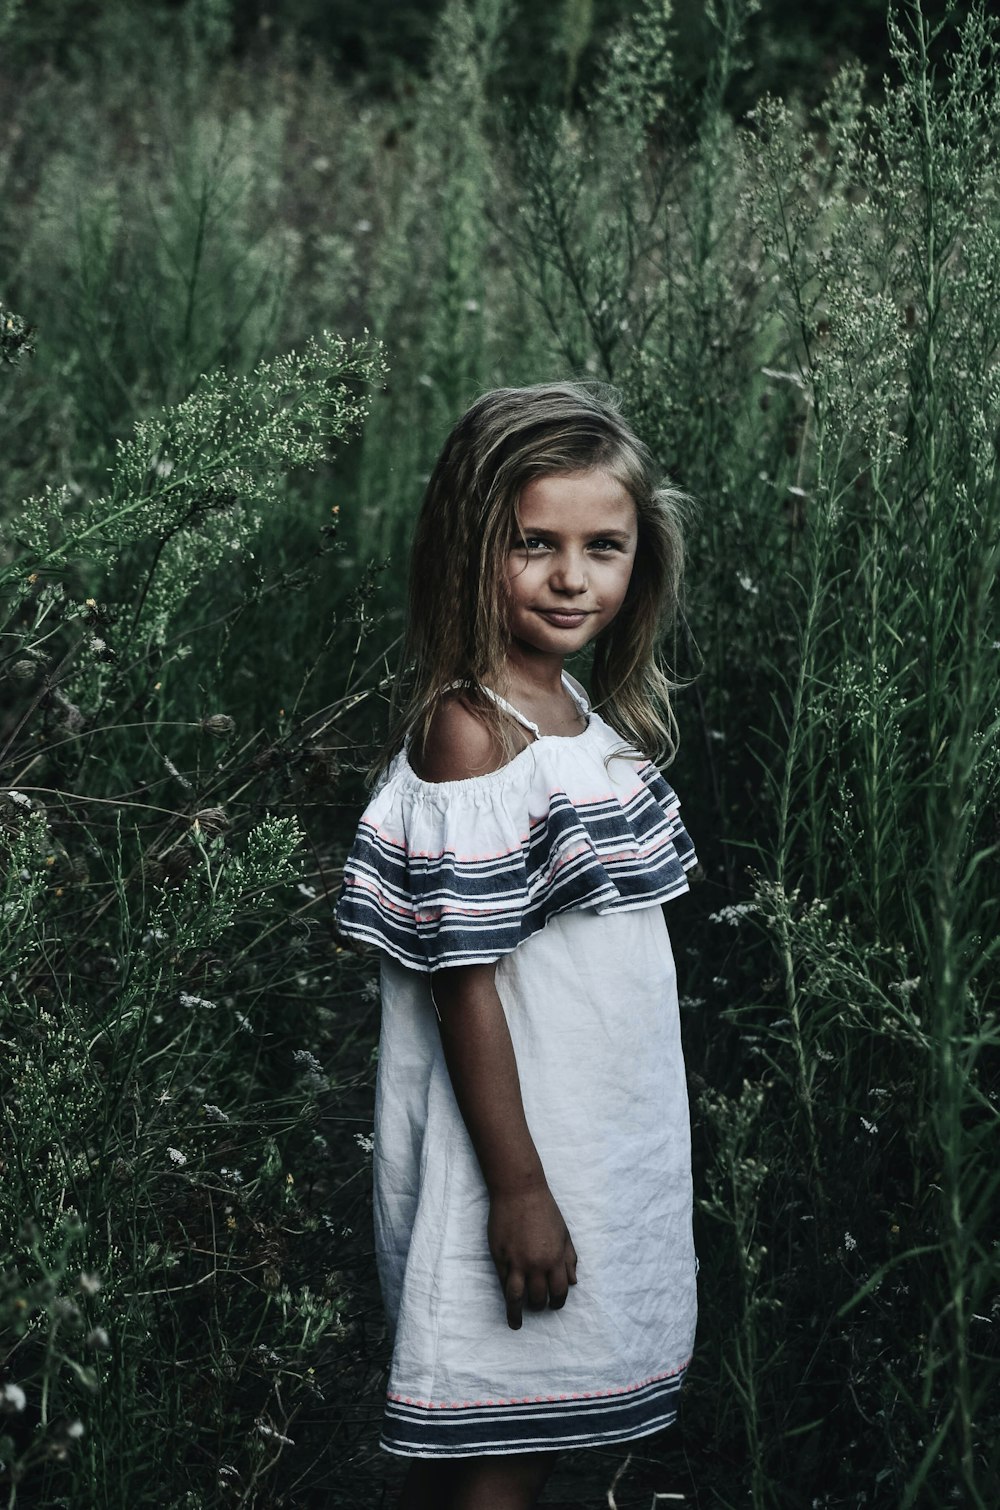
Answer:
(564, 618)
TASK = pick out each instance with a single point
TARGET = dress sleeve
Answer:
(667, 799)
(462, 872)
(437, 876)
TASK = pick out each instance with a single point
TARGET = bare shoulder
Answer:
(458, 744)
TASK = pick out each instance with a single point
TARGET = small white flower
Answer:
(748, 584)
(307, 1061)
(733, 915)
(12, 1398)
(364, 1142)
(850, 1243)
(196, 1001)
(307, 891)
(75, 1430)
(869, 1127)
(89, 1283)
(176, 1157)
(214, 1113)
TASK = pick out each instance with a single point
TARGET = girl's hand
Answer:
(532, 1250)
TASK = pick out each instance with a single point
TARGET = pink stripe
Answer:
(589, 1394)
(582, 802)
(429, 854)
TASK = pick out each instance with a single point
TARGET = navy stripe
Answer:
(449, 1431)
(430, 910)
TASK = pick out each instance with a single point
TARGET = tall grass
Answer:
(168, 1303)
(799, 311)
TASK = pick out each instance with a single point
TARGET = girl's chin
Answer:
(552, 642)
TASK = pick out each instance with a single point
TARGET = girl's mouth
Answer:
(564, 618)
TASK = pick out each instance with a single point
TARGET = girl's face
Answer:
(568, 576)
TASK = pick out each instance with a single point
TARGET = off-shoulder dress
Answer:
(554, 866)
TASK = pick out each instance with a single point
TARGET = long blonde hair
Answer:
(457, 621)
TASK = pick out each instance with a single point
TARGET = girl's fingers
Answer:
(558, 1287)
(538, 1289)
(513, 1292)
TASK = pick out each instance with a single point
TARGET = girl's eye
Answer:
(604, 546)
(529, 543)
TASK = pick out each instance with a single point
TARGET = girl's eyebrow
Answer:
(540, 531)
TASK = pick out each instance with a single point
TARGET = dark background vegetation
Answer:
(378, 44)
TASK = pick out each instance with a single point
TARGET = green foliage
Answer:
(16, 338)
(55, 1351)
(161, 1133)
(194, 477)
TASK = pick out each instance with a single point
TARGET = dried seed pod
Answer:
(212, 820)
(24, 671)
(219, 725)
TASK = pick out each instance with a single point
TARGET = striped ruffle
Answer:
(416, 1428)
(462, 873)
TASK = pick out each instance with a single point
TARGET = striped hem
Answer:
(423, 1430)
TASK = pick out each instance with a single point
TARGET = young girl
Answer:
(532, 1153)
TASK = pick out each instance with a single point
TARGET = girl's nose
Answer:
(569, 575)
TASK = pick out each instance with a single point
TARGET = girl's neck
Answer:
(533, 685)
(532, 673)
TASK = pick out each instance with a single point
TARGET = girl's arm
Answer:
(531, 1247)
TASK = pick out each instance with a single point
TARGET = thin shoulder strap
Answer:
(507, 707)
(515, 713)
(578, 697)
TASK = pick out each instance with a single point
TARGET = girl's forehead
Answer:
(566, 499)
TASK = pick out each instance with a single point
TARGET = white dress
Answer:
(555, 866)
